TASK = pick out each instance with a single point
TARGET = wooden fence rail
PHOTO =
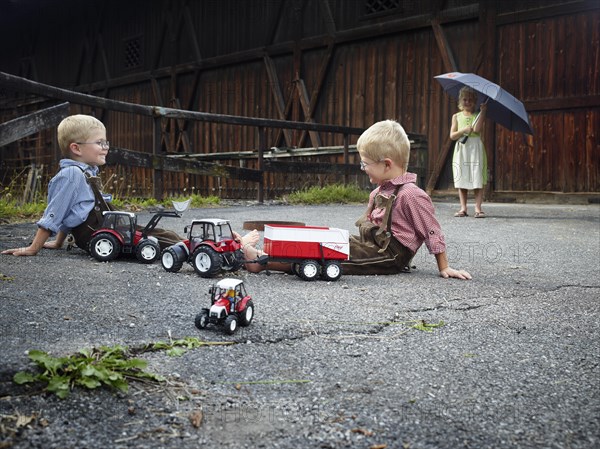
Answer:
(160, 162)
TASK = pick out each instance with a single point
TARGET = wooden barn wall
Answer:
(213, 56)
(551, 64)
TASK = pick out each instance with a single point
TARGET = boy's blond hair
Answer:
(466, 92)
(385, 139)
(76, 128)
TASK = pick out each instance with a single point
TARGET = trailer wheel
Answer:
(332, 270)
(309, 270)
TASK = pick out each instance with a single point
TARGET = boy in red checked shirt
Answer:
(400, 216)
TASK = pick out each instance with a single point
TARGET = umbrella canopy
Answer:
(502, 107)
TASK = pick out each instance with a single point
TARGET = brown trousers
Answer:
(376, 250)
(84, 231)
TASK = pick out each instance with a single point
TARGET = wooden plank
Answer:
(560, 9)
(25, 85)
(310, 167)
(18, 128)
(278, 96)
(450, 66)
(305, 103)
(488, 32)
(129, 158)
(592, 152)
(443, 46)
(578, 153)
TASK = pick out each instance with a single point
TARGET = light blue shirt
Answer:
(70, 197)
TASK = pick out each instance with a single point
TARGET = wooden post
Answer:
(450, 65)
(262, 146)
(157, 172)
(346, 158)
(487, 33)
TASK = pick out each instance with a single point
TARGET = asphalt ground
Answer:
(513, 363)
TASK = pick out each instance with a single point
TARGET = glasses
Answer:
(101, 143)
(364, 164)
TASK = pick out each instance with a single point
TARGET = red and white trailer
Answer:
(312, 250)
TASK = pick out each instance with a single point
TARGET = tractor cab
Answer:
(123, 223)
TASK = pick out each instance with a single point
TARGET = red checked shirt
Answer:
(413, 216)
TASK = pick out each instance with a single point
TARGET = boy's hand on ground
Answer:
(25, 251)
(452, 273)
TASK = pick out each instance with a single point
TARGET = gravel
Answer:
(512, 364)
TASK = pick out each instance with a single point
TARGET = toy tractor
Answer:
(209, 248)
(231, 306)
(120, 234)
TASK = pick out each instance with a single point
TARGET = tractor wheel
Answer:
(105, 247)
(207, 262)
(332, 271)
(231, 324)
(247, 315)
(309, 270)
(202, 319)
(147, 251)
(170, 261)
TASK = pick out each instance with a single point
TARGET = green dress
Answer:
(469, 161)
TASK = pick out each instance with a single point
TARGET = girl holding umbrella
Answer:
(469, 162)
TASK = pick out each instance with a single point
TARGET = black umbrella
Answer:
(502, 107)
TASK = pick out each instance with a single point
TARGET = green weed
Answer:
(110, 366)
(335, 193)
(91, 369)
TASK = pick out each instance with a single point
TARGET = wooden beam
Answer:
(192, 33)
(305, 103)
(157, 174)
(129, 158)
(443, 45)
(450, 65)
(554, 104)
(542, 12)
(310, 167)
(18, 128)
(320, 80)
(285, 48)
(327, 17)
(24, 85)
(278, 95)
(488, 34)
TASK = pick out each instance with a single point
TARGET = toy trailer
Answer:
(312, 250)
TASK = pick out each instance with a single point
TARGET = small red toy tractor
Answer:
(120, 234)
(209, 248)
(231, 306)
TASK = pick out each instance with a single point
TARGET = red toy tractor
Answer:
(231, 306)
(209, 248)
(119, 234)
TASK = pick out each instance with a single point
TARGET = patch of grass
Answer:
(11, 210)
(335, 193)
